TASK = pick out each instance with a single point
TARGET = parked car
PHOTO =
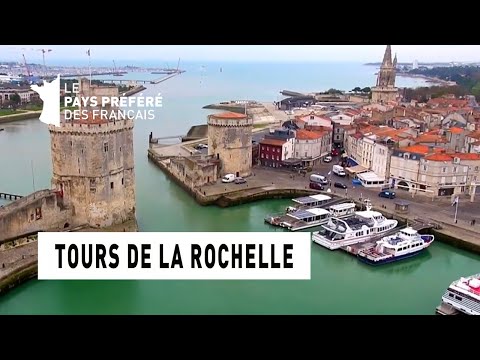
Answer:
(229, 178)
(340, 185)
(240, 180)
(316, 185)
(387, 194)
(201, 146)
(327, 159)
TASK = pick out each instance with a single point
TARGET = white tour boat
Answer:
(308, 218)
(464, 295)
(404, 244)
(352, 230)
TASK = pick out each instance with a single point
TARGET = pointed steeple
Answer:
(395, 61)
(387, 58)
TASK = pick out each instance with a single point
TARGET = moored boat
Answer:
(464, 295)
(404, 244)
(352, 230)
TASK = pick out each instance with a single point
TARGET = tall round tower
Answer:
(93, 167)
(230, 140)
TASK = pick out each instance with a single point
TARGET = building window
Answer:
(444, 169)
(105, 146)
(267, 156)
(454, 169)
(312, 117)
(122, 182)
(120, 149)
(268, 148)
(465, 168)
(92, 183)
(305, 154)
(278, 150)
(278, 158)
(476, 168)
(262, 156)
(111, 185)
(263, 148)
(424, 167)
(38, 213)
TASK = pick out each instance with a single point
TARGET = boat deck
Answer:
(371, 242)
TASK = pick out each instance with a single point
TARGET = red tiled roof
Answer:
(475, 135)
(229, 115)
(307, 135)
(420, 149)
(430, 138)
(451, 156)
(438, 157)
(273, 142)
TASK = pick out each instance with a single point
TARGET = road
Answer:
(439, 209)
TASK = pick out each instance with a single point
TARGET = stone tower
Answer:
(385, 89)
(93, 163)
(230, 140)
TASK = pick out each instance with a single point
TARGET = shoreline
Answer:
(428, 79)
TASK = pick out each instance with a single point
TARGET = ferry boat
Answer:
(360, 227)
(312, 201)
(308, 218)
(404, 244)
(463, 295)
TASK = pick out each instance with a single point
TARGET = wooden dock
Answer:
(7, 196)
(418, 225)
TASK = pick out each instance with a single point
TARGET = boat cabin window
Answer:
(458, 298)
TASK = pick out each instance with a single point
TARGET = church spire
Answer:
(395, 61)
(387, 58)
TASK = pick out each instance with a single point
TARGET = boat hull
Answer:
(389, 259)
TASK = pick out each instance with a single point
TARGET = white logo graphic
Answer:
(50, 94)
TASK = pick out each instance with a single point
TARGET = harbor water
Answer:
(339, 283)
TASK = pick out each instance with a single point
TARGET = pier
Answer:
(8, 196)
(141, 81)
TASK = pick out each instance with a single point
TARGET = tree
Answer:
(334, 91)
(366, 89)
(15, 100)
(357, 89)
(476, 90)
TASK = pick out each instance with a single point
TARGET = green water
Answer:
(339, 285)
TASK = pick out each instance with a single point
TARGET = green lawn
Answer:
(4, 112)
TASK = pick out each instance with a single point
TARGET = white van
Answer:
(229, 178)
(338, 170)
(318, 179)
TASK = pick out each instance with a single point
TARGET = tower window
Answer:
(105, 146)
(120, 149)
(111, 185)
(122, 181)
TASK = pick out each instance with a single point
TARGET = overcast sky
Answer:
(286, 53)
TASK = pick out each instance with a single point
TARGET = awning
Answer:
(370, 176)
(356, 169)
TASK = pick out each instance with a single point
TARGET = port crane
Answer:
(26, 66)
(43, 54)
